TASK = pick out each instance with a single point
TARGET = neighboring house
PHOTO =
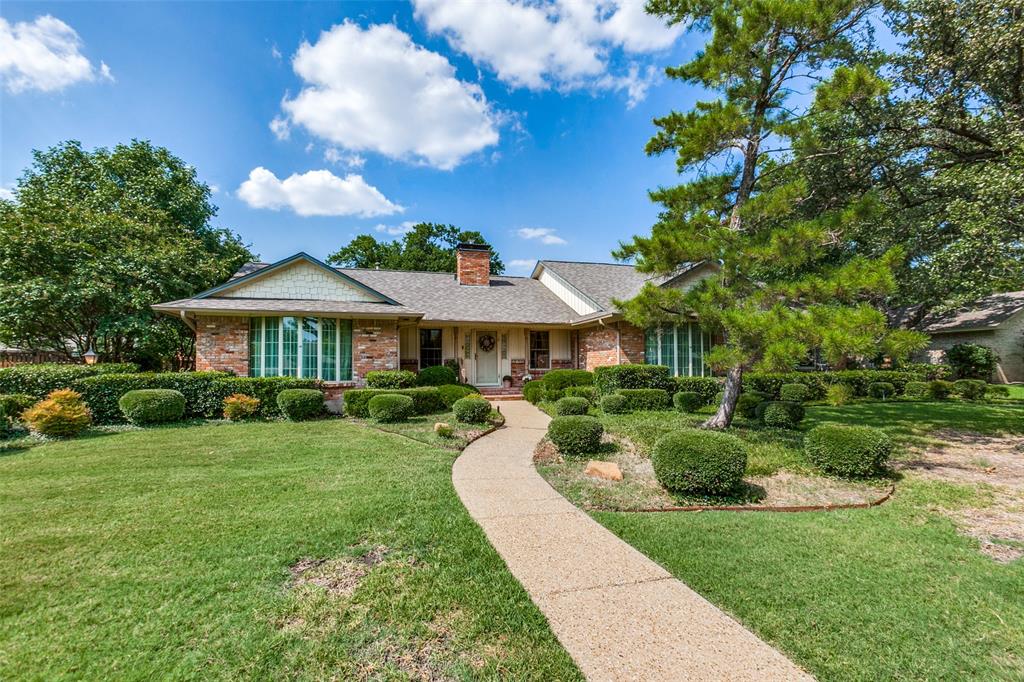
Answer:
(996, 321)
(301, 317)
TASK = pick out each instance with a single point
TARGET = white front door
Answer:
(486, 358)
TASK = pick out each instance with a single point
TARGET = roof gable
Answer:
(986, 313)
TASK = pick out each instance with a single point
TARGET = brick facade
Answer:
(613, 345)
(222, 343)
(631, 339)
(473, 265)
(375, 343)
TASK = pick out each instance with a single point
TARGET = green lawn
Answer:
(165, 553)
(893, 592)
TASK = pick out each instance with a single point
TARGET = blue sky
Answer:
(317, 122)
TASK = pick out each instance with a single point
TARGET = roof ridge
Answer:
(586, 262)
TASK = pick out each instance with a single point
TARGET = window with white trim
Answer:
(540, 350)
(307, 347)
(681, 348)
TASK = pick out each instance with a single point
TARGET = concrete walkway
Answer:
(618, 614)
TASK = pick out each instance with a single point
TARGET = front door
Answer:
(486, 358)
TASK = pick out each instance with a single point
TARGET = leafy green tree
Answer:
(785, 284)
(95, 238)
(428, 246)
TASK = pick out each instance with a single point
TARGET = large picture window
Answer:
(308, 347)
(430, 348)
(680, 348)
(540, 350)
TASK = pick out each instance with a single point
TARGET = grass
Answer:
(421, 428)
(165, 553)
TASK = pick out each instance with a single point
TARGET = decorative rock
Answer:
(606, 470)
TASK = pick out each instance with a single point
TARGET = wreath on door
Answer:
(486, 343)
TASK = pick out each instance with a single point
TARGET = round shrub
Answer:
(699, 461)
(533, 391)
(780, 414)
(796, 393)
(152, 406)
(997, 391)
(300, 404)
(63, 414)
(746, 404)
(391, 378)
(437, 376)
(838, 395)
(687, 401)
(239, 407)
(569, 405)
(575, 435)
(915, 390)
(471, 410)
(13, 404)
(882, 390)
(939, 389)
(970, 389)
(614, 404)
(588, 392)
(451, 392)
(850, 451)
(390, 407)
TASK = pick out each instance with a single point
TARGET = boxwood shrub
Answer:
(940, 389)
(102, 392)
(439, 375)
(797, 393)
(575, 435)
(818, 382)
(588, 392)
(705, 387)
(390, 407)
(696, 461)
(390, 378)
(152, 406)
(265, 389)
(570, 405)
(63, 414)
(915, 390)
(850, 451)
(14, 404)
(449, 393)
(615, 403)
(300, 404)
(425, 400)
(561, 379)
(883, 390)
(39, 380)
(533, 391)
(687, 401)
(471, 410)
(553, 395)
(970, 389)
(645, 398)
(746, 404)
(612, 378)
(780, 414)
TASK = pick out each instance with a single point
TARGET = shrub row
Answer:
(391, 378)
(613, 378)
(818, 382)
(426, 399)
(638, 399)
(39, 380)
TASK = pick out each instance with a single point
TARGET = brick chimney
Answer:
(473, 264)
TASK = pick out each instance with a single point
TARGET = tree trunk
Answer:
(723, 418)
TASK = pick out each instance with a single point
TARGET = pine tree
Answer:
(788, 280)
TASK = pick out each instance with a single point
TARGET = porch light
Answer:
(90, 356)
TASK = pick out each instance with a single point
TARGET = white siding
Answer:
(688, 280)
(409, 339)
(302, 280)
(570, 296)
(559, 340)
(517, 344)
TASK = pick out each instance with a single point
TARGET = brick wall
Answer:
(222, 343)
(473, 266)
(632, 341)
(376, 347)
(599, 346)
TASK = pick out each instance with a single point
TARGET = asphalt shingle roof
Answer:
(605, 282)
(286, 305)
(985, 313)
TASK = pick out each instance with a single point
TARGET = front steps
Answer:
(501, 393)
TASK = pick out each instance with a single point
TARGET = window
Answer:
(540, 350)
(430, 348)
(680, 348)
(308, 347)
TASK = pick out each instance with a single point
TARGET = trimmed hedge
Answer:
(797, 393)
(266, 389)
(39, 380)
(615, 403)
(425, 400)
(818, 382)
(439, 375)
(588, 392)
(300, 404)
(63, 414)
(533, 391)
(570, 405)
(970, 389)
(687, 401)
(850, 451)
(390, 407)
(15, 403)
(471, 410)
(553, 395)
(449, 393)
(883, 390)
(746, 404)
(916, 390)
(613, 378)
(645, 398)
(705, 387)
(561, 379)
(575, 435)
(697, 461)
(152, 406)
(940, 389)
(780, 414)
(390, 378)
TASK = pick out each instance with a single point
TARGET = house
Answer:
(996, 321)
(301, 317)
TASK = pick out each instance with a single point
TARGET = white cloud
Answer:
(281, 129)
(335, 155)
(522, 266)
(397, 230)
(6, 193)
(375, 90)
(565, 44)
(275, 53)
(315, 193)
(44, 54)
(545, 234)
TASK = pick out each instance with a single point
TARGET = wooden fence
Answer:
(10, 358)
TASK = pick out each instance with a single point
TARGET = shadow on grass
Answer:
(744, 493)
